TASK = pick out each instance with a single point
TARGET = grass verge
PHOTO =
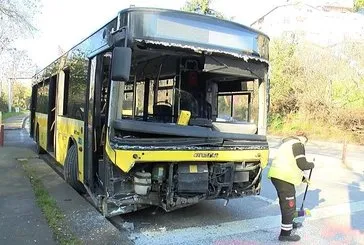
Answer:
(52, 213)
(6, 115)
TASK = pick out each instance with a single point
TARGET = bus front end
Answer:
(174, 172)
(189, 121)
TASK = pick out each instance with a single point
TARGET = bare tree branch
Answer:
(16, 20)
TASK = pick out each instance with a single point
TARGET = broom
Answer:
(304, 212)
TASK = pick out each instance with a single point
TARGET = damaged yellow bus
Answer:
(158, 107)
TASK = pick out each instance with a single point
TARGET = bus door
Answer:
(52, 113)
(95, 122)
(33, 105)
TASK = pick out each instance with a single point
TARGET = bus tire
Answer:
(70, 170)
(39, 149)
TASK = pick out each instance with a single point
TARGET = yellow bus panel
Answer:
(70, 129)
(41, 120)
(125, 159)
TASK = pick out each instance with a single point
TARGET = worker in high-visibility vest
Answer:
(286, 172)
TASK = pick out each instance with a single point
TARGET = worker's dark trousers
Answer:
(287, 202)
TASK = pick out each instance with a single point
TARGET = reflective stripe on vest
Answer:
(284, 166)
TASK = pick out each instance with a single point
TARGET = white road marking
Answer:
(336, 210)
(358, 185)
(268, 200)
(188, 235)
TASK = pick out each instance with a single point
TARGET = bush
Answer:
(348, 119)
(3, 103)
(275, 121)
(318, 90)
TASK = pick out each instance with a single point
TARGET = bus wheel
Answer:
(70, 170)
(39, 149)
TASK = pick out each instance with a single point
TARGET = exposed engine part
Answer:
(257, 178)
(172, 186)
(226, 202)
(115, 181)
(221, 179)
(142, 183)
(241, 174)
(240, 166)
(159, 173)
(192, 178)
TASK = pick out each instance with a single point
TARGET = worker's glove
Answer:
(312, 165)
(305, 180)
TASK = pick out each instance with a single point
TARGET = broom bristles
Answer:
(301, 213)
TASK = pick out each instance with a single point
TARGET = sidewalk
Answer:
(21, 221)
(15, 122)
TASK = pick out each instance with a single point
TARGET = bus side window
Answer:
(65, 95)
(76, 84)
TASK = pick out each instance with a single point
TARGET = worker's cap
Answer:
(302, 137)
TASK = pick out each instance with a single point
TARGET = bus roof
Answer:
(146, 10)
(199, 32)
(172, 28)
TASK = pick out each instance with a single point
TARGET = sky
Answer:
(64, 23)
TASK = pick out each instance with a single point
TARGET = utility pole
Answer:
(10, 92)
(10, 99)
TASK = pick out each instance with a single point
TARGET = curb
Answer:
(84, 220)
(18, 124)
(24, 120)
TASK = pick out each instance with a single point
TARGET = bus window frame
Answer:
(232, 94)
(155, 85)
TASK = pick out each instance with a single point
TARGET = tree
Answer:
(284, 66)
(3, 103)
(201, 7)
(358, 4)
(21, 95)
(17, 65)
(16, 18)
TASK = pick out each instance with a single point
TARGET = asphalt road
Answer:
(335, 198)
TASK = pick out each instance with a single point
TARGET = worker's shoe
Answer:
(289, 238)
(297, 225)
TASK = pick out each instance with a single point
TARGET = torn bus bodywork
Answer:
(152, 160)
(176, 172)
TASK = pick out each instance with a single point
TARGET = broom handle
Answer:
(304, 196)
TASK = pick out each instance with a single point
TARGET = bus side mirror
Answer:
(121, 63)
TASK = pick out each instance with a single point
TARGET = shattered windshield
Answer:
(188, 102)
(194, 102)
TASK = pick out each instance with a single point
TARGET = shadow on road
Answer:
(354, 190)
(313, 199)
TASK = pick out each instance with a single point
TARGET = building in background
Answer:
(322, 22)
